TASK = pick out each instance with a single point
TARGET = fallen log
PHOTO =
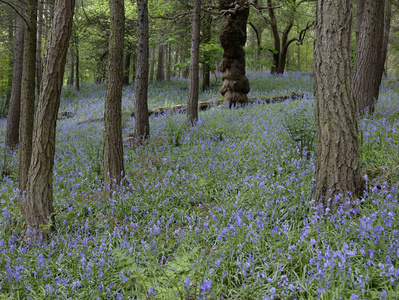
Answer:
(214, 102)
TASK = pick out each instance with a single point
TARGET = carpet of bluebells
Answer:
(221, 210)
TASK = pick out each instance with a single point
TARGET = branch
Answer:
(302, 34)
(16, 10)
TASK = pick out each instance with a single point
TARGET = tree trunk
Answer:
(38, 203)
(169, 64)
(337, 167)
(71, 68)
(152, 64)
(39, 68)
(192, 103)
(384, 45)
(77, 86)
(12, 133)
(233, 36)
(160, 69)
(206, 68)
(126, 67)
(113, 145)
(142, 123)
(370, 34)
(27, 95)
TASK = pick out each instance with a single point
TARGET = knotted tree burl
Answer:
(233, 36)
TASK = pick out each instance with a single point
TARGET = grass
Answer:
(218, 211)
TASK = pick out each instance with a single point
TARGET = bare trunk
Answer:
(71, 68)
(126, 67)
(169, 63)
(192, 104)
(113, 146)
(27, 95)
(38, 204)
(366, 77)
(206, 71)
(384, 46)
(12, 133)
(160, 69)
(152, 68)
(337, 168)
(142, 123)
(77, 86)
(233, 36)
(39, 68)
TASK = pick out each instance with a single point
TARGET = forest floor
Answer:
(221, 210)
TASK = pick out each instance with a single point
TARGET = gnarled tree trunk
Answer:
(233, 36)
(337, 168)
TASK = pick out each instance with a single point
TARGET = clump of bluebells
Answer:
(225, 213)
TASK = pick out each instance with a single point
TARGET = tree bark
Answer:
(233, 36)
(384, 45)
(206, 68)
(152, 64)
(160, 69)
(27, 95)
(337, 167)
(113, 145)
(77, 67)
(192, 103)
(370, 34)
(12, 132)
(126, 67)
(38, 204)
(39, 68)
(71, 68)
(142, 123)
(169, 63)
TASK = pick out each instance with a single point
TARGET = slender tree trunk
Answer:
(27, 95)
(276, 38)
(71, 68)
(126, 67)
(142, 123)
(337, 167)
(206, 71)
(134, 67)
(299, 57)
(113, 145)
(370, 35)
(233, 36)
(38, 204)
(169, 63)
(12, 133)
(77, 86)
(152, 63)
(192, 103)
(160, 70)
(384, 45)
(39, 46)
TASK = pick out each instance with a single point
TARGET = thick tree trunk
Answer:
(142, 123)
(126, 67)
(38, 202)
(233, 36)
(39, 69)
(113, 145)
(370, 34)
(192, 103)
(27, 95)
(12, 133)
(337, 168)
(160, 69)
